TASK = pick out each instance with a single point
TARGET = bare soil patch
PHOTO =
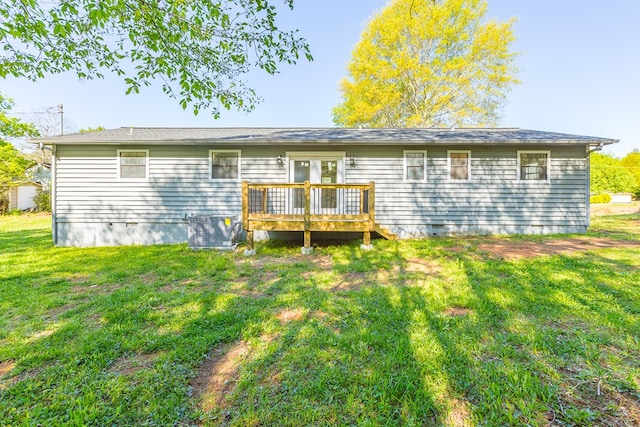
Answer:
(134, 364)
(615, 209)
(218, 374)
(613, 407)
(287, 315)
(426, 266)
(513, 249)
(457, 312)
(352, 282)
(459, 414)
(6, 367)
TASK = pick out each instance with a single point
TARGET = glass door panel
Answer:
(328, 175)
(301, 173)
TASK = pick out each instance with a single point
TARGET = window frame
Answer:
(405, 165)
(146, 163)
(239, 166)
(519, 164)
(469, 175)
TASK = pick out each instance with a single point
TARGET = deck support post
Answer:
(307, 249)
(371, 211)
(251, 250)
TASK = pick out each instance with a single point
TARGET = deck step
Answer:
(385, 233)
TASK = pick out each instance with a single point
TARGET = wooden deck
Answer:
(310, 207)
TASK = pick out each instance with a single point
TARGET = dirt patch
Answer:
(459, 414)
(615, 209)
(513, 249)
(419, 265)
(322, 262)
(352, 282)
(59, 311)
(286, 316)
(94, 289)
(134, 364)
(457, 312)
(6, 367)
(613, 408)
(218, 374)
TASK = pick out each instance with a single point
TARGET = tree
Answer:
(13, 164)
(422, 64)
(631, 162)
(198, 49)
(608, 174)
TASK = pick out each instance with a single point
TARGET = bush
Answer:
(636, 194)
(4, 202)
(601, 198)
(43, 201)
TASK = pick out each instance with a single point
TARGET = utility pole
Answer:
(61, 112)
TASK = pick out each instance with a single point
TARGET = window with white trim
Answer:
(415, 165)
(224, 164)
(459, 162)
(533, 165)
(133, 164)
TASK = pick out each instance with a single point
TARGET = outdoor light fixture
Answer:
(352, 161)
(280, 160)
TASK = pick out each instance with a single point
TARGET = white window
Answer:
(459, 164)
(415, 165)
(224, 164)
(133, 164)
(533, 165)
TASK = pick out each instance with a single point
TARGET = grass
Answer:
(430, 332)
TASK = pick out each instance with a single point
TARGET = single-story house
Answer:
(21, 197)
(140, 185)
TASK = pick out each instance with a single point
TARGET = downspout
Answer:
(54, 179)
(588, 189)
(588, 183)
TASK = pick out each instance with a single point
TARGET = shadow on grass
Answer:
(492, 341)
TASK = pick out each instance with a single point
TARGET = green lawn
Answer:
(432, 332)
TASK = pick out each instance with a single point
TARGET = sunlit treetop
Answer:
(428, 63)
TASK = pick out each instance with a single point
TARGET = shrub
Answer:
(601, 198)
(42, 201)
(4, 202)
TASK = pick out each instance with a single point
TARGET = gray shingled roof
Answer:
(337, 136)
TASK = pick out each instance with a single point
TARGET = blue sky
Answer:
(579, 66)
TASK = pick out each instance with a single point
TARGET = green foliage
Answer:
(42, 201)
(600, 198)
(423, 63)
(11, 127)
(4, 202)
(608, 174)
(90, 129)
(12, 165)
(198, 49)
(631, 162)
(422, 332)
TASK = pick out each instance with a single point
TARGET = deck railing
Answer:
(308, 207)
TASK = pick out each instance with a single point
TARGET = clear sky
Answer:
(579, 66)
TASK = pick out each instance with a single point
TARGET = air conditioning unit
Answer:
(214, 232)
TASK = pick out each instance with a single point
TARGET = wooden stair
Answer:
(385, 233)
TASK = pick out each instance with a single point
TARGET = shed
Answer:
(21, 197)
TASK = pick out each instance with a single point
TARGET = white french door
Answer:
(317, 168)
